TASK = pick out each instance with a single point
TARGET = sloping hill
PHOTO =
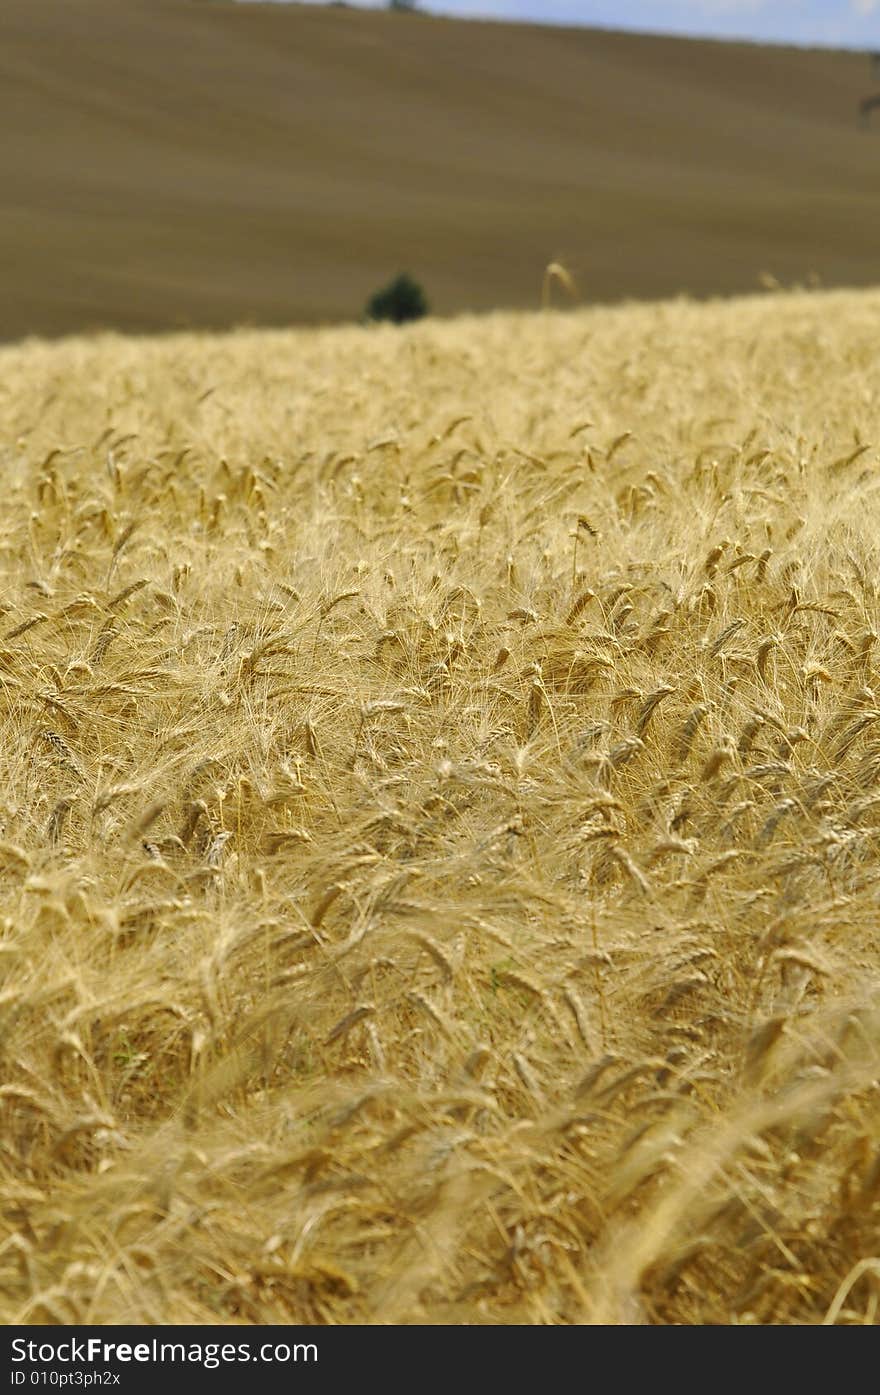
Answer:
(183, 163)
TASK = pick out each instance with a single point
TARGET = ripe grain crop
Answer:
(440, 821)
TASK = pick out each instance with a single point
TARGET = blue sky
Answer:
(844, 23)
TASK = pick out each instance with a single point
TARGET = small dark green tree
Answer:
(401, 4)
(401, 300)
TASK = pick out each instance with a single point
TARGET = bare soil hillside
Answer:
(173, 163)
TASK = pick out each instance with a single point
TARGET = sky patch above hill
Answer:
(836, 23)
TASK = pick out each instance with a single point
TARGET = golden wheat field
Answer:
(440, 815)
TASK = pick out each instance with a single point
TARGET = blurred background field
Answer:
(169, 163)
